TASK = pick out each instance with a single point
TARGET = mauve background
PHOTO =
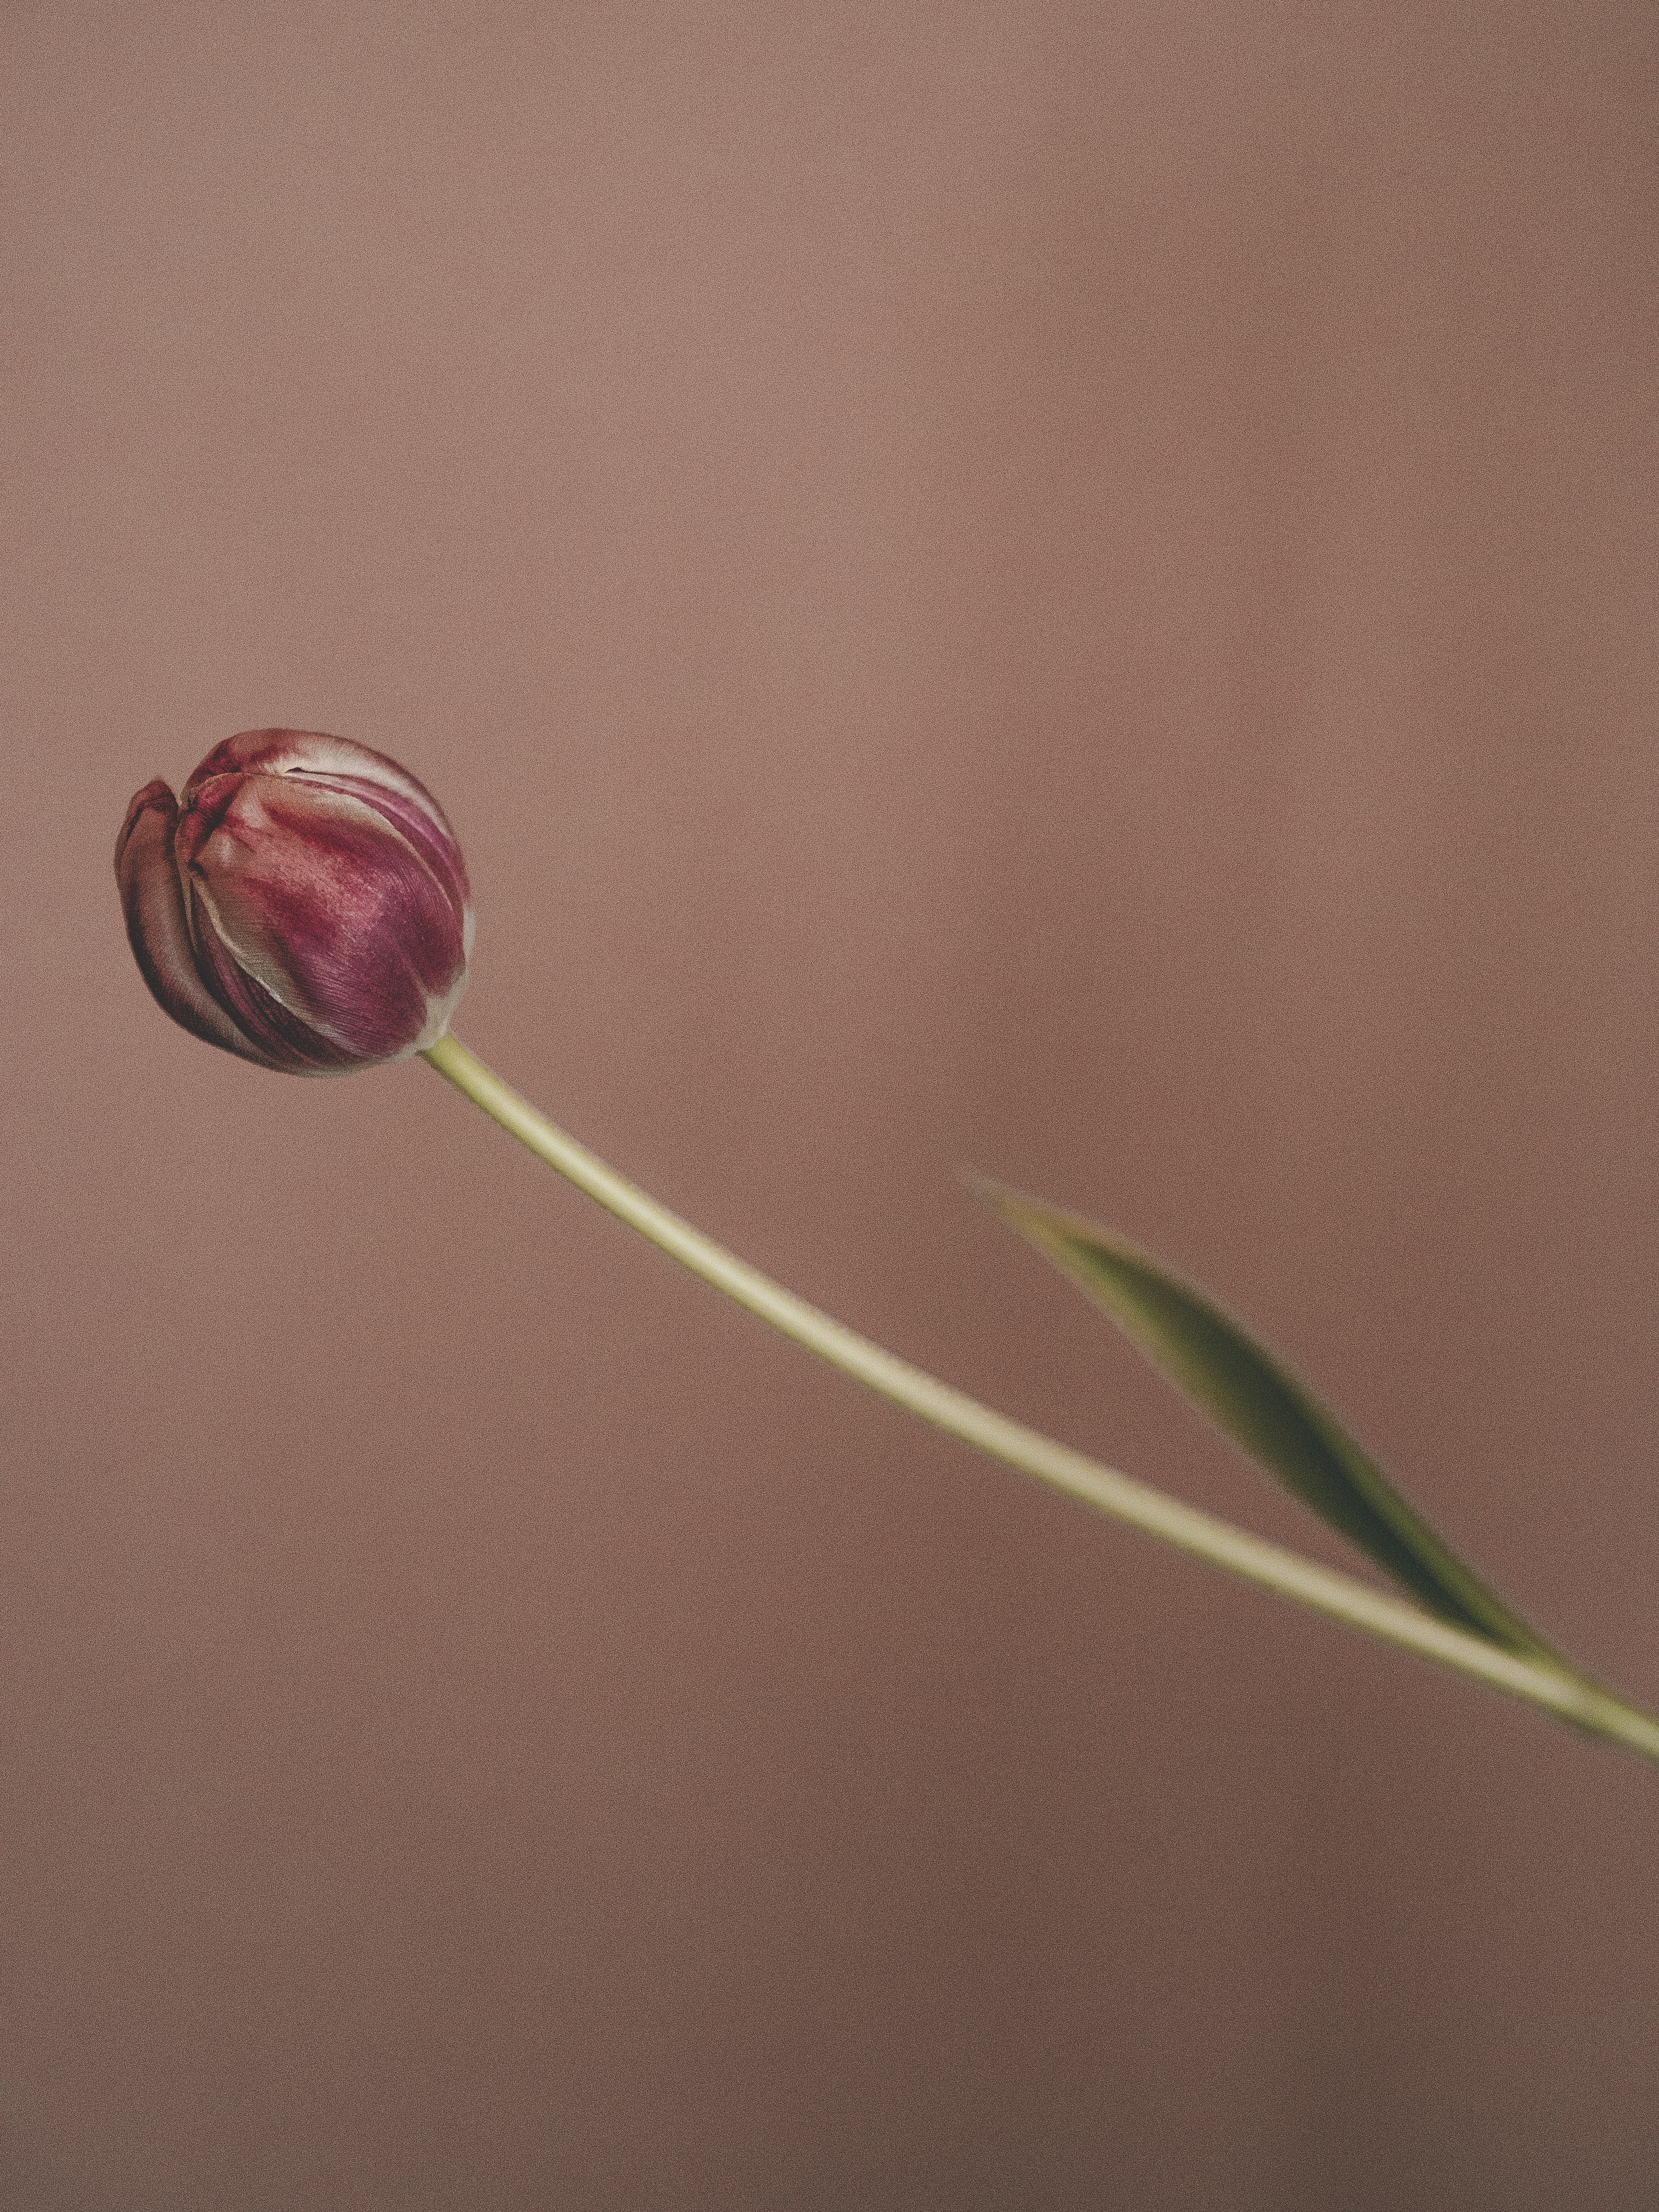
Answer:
(1068, 588)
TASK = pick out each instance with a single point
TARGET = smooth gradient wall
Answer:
(1063, 589)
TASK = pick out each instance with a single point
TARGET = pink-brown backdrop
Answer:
(1064, 588)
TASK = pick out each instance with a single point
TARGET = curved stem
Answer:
(1570, 1697)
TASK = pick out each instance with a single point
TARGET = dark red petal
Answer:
(314, 896)
(285, 1041)
(153, 902)
(315, 753)
(423, 826)
(332, 763)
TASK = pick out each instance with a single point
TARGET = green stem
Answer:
(1568, 1696)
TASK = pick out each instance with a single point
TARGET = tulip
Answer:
(307, 908)
(305, 905)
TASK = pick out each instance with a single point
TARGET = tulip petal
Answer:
(153, 902)
(285, 1042)
(432, 838)
(316, 896)
(314, 756)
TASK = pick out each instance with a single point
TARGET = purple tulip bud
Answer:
(307, 907)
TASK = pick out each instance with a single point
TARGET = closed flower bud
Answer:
(305, 905)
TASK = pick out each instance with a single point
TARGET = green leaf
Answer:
(1262, 1406)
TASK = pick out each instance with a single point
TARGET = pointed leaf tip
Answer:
(1263, 1406)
